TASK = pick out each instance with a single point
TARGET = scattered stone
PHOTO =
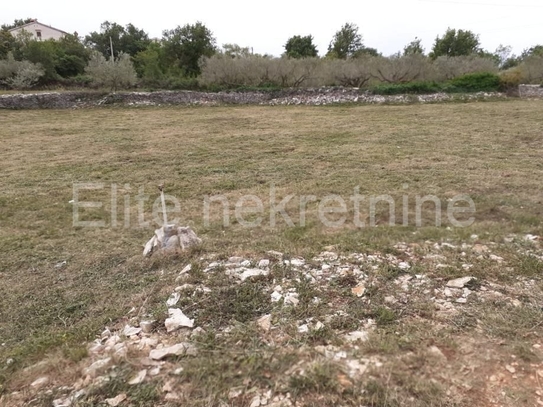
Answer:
(359, 290)
(510, 369)
(252, 273)
(177, 320)
(38, 383)
(273, 253)
(434, 350)
(460, 282)
(147, 326)
(264, 322)
(173, 299)
(97, 367)
(255, 402)
(263, 263)
(276, 296)
(114, 402)
(357, 336)
(291, 299)
(131, 331)
(480, 248)
(303, 329)
(172, 396)
(171, 238)
(175, 350)
(139, 377)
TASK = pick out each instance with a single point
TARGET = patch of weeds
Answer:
(381, 343)
(524, 352)
(384, 316)
(319, 378)
(323, 336)
(75, 353)
(143, 395)
(347, 281)
(508, 322)
(463, 321)
(389, 272)
(403, 389)
(528, 266)
(243, 302)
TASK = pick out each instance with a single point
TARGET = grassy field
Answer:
(490, 151)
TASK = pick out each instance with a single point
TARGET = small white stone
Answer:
(138, 378)
(97, 367)
(460, 282)
(263, 263)
(253, 273)
(173, 299)
(297, 262)
(264, 322)
(291, 299)
(174, 350)
(275, 296)
(38, 383)
(255, 402)
(147, 326)
(131, 330)
(177, 320)
(357, 336)
(303, 329)
(115, 401)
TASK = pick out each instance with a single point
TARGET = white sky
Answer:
(384, 24)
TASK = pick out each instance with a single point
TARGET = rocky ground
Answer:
(320, 96)
(426, 324)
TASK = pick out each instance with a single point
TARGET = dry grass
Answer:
(490, 151)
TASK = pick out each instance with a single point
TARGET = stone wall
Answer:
(530, 91)
(321, 96)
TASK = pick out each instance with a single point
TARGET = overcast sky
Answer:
(384, 24)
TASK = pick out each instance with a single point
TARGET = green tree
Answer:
(346, 42)
(536, 50)
(148, 63)
(7, 43)
(456, 43)
(301, 47)
(72, 56)
(43, 53)
(128, 40)
(414, 47)
(236, 51)
(184, 46)
(16, 23)
(365, 51)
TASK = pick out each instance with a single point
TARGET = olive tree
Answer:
(114, 74)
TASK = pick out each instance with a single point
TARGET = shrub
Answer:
(113, 74)
(407, 88)
(510, 79)
(401, 69)
(446, 68)
(19, 74)
(532, 69)
(475, 82)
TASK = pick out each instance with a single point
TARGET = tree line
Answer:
(187, 56)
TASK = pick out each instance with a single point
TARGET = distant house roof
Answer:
(37, 22)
